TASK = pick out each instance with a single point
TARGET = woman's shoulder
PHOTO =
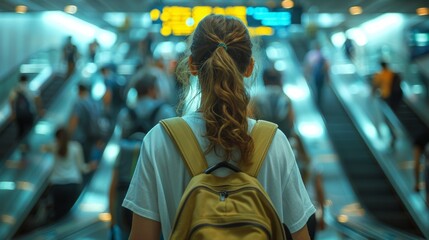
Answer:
(192, 120)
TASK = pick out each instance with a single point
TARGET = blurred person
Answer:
(382, 86)
(349, 48)
(123, 169)
(421, 151)
(26, 106)
(220, 57)
(93, 49)
(134, 123)
(165, 83)
(148, 110)
(82, 124)
(312, 176)
(316, 70)
(145, 48)
(113, 98)
(66, 178)
(70, 55)
(272, 104)
(383, 82)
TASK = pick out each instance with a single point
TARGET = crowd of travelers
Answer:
(149, 176)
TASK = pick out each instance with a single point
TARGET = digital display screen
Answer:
(181, 21)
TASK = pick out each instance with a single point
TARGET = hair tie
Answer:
(222, 44)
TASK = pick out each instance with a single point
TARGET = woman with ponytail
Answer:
(66, 177)
(220, 59)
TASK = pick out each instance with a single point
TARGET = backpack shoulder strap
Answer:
(186, 143)
(262, 134)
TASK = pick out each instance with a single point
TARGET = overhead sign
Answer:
(181, 21)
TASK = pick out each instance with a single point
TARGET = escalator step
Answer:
(368, 180)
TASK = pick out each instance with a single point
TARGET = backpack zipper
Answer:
(231, 225)
(222, 197)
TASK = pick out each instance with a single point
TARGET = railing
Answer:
(391, 171)
(38, 67)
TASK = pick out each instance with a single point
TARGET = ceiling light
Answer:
(72, 9)
(422, 11)
(355, 10)
(287, 4)
(21, 9)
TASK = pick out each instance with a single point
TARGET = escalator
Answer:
(300, 45)
(373, 189)
(410, 120)
(48, 92)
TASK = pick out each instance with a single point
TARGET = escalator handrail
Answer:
(423, 117)
(358, 227)
(8, 75)
(38, 190)
(388, 168)
(364, 227)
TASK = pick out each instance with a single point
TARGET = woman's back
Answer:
(164, 165)
(220, 58)
(66, 168)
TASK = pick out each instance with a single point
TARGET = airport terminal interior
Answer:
(356, 150)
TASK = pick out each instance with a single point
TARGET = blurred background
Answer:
(361, 154)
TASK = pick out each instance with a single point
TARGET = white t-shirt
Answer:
(161, 177)
(68, 169)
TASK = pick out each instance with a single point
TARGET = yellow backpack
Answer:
(235, 207)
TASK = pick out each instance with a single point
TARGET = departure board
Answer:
(181, 20)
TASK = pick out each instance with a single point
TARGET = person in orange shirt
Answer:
(383, 81)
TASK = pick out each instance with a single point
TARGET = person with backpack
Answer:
(84, 124)
(70, 55)
(113, 98)
(272, 104)
(215, 173)
(148, 109)
(26, 106)
(134, 123)
(388, 83)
